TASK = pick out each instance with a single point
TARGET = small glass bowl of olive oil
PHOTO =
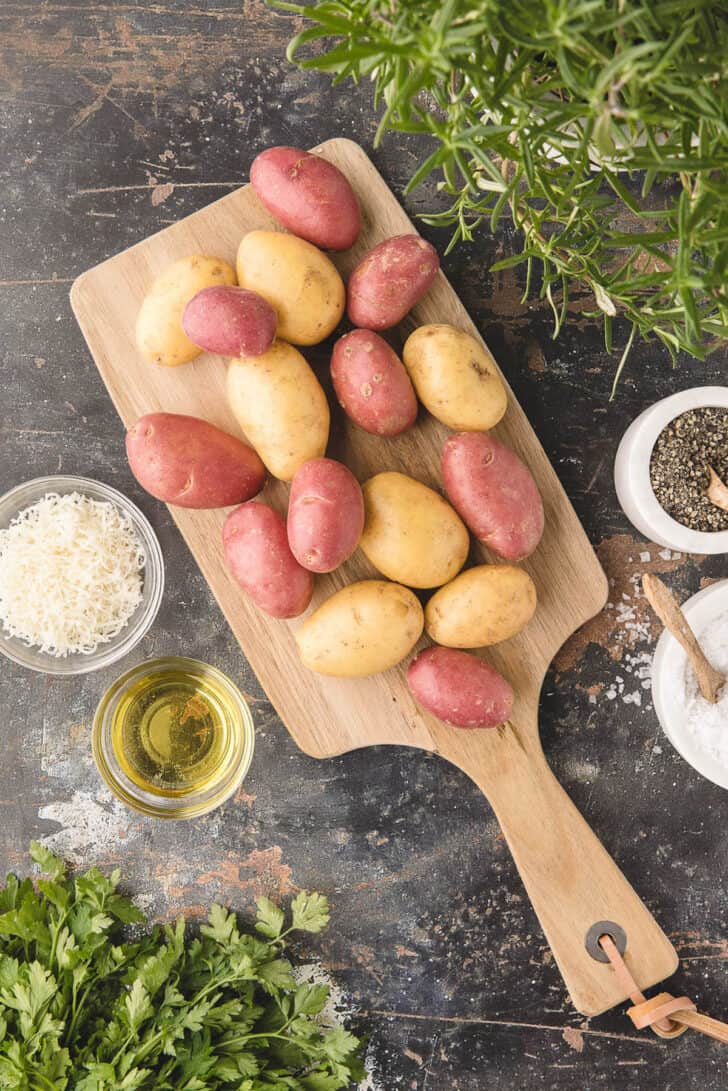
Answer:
(173, 738)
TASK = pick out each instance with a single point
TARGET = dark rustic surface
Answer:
(116, 119)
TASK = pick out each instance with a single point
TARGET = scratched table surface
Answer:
(119, 118)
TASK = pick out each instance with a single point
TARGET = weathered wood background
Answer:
(118, 118)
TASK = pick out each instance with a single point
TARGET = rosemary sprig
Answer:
(600, 126)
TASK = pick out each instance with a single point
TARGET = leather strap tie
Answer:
(668, 1016)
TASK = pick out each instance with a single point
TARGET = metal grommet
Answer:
(602, 928)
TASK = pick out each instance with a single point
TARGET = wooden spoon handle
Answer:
(663, 602)
(571, 880)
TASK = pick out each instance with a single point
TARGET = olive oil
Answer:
(170, 732)
(173, 737)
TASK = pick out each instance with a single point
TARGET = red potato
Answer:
(372, 384)
(191, 463)
(459, 688)
(257, 554)
(325, 514)
(389, 280)
(230, 321)
(494, 493)
(308, 195)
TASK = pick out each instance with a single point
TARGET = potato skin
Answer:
(390, 280)
(459, 688)
(411, 534)
(258, 556)
(159, 334)
(455, 378)
(279, 404)
(325, 514)
(482, 606)
(230, 321)
(301, 284)
(364, 628)
(188, 462)
(308, 195)
(494, 493)
(372, 384)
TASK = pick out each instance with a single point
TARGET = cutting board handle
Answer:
(571, 880)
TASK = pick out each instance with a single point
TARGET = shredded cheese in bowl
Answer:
(70, 574)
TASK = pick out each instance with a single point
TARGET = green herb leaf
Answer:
(221, 925)
(270, 918)
(310, 912)
(310, 999)
(138, 1005)
(49, 863)
(320, 1081)
(338, 1044)
(276, 974)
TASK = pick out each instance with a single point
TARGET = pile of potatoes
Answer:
(285, 292)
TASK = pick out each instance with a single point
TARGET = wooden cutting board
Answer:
(571, 880)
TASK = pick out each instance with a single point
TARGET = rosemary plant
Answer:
(599, 126)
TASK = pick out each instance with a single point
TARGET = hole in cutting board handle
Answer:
(605, 928)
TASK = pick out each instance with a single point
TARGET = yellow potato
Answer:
(279, 404)
(298, 280)
(159, 334)
(455, 378)
(411, 534)
(482, 606)
(364, 628)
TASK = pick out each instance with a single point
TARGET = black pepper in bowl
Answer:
(679, 467)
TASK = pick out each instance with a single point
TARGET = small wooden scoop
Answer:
(717, 491)
(667, 608)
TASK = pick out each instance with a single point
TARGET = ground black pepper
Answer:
(679, 467)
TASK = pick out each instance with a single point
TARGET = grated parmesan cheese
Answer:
(70, 574)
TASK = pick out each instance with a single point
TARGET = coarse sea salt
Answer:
(707, 724)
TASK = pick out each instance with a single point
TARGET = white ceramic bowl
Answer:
(30, 492)
(668, 671)
(632, 473)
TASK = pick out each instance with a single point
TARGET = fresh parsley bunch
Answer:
(599, 126)
(82, 1008)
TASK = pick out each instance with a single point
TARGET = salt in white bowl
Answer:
(670, 668)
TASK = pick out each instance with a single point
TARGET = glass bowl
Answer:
(23, 496)
(173, 738)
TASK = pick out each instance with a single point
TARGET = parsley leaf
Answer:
(338, 1044)
(270, 918)
(49, 863)
(310, 999)
(310, 912)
